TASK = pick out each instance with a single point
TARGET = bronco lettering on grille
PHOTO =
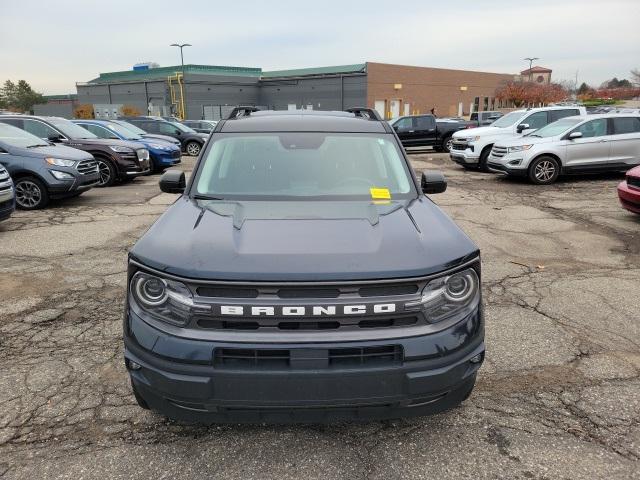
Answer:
(301, 311)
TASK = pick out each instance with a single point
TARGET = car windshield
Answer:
(555, 128)
(131, 126)
(17, 137)
(303, 165)
(508, 120)
(182, 127)
(70, 129)
(123, 132)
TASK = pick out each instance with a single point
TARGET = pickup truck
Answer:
(426, 131)
(482, 119)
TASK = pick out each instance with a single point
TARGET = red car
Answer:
(629, 191)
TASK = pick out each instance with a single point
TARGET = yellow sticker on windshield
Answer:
(380, 193)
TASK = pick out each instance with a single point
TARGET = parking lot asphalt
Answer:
(558, 396)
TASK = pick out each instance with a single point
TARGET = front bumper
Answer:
(464, 154)
(7, 204)
(64, 188)
(164, 158)
(629, 197)
(183, 379)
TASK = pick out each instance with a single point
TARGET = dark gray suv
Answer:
(303, 275)
(42, 171)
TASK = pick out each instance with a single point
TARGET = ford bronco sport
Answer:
(303, 275)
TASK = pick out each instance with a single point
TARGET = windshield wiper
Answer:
(37, 145)
(532, 135)
(202, 196)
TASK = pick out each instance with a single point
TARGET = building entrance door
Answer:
(394, 107)
(379, 106)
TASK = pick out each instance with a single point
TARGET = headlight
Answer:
(447, 296)
(61, 175)
(519, 148)
(158, 146)
(119, 149)
(474, 139)
(60, 162)
(165, 299)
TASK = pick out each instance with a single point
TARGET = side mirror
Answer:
(55, 138)
(433, 181)
(574, 135)
(522, 127)
(173, 181)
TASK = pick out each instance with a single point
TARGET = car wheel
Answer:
(193, 149)
(107, 172)
(31, 194)
(544, 170)
(482, 164)
(446, 144)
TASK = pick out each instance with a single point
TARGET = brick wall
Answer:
(425, 88)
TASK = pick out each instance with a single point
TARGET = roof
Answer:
(303, 72)
(303, 121)
(164, 72)
(536, 69)
(68, 96)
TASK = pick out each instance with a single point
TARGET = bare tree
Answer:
(635, 76)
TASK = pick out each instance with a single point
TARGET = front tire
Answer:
(31, 193)
(484, 156)
(544, 170)
(193, 149)
(446, 144)
(107, 172)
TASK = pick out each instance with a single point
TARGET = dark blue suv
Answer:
(163, 154)
(303, 275)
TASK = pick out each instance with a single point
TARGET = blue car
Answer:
(163, 154)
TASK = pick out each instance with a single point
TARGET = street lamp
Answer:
(531, 60)
(183, 86)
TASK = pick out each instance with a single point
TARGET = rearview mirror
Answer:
(522, 127)
(433, 181)
(173, 181)
(574, 135)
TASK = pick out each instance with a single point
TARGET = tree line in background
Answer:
(522, 93)
(19, 97)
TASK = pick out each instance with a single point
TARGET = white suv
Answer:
(471, 147)
(572, 145)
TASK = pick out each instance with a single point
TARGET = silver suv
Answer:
(572, 145)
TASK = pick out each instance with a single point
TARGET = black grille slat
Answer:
(309, 293)
(228, 292)
(308, 323)
(370, 356)
(388, 290)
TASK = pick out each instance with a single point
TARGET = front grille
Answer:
(175, 154)
(308, 358)
(308, 324)
(498, 152)
(87, 166)
(459, 146)
(633, 182)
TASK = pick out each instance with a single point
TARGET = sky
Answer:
(52, 45)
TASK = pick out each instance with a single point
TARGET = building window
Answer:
(540, 79)
(486, 104)
(476, 104)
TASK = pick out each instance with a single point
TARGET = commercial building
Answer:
(210, 92)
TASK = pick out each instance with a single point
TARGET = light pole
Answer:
(183, 86)
(530, 60)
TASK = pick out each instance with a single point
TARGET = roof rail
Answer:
(364, 112)
(242, 111)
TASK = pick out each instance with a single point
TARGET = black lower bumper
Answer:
(204, 392)
(499, 168)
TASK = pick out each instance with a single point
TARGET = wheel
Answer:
(107, 172)
(482, 164)
(31, 194)
(544, 170)
(193, 148)
(141, 401)
(446, 144)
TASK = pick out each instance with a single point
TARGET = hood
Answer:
(302, 241)
(634, 172)
(523, 140)
(204, 136)
(106, 142)
(473, 132)
(166, 138)
(58, 151)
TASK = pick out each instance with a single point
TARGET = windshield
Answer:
(123, 132)
(69, 129)
(17, 137)
(555, 128)
(302, 165)
(130, 126)
(508, 120)
(182, 127)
